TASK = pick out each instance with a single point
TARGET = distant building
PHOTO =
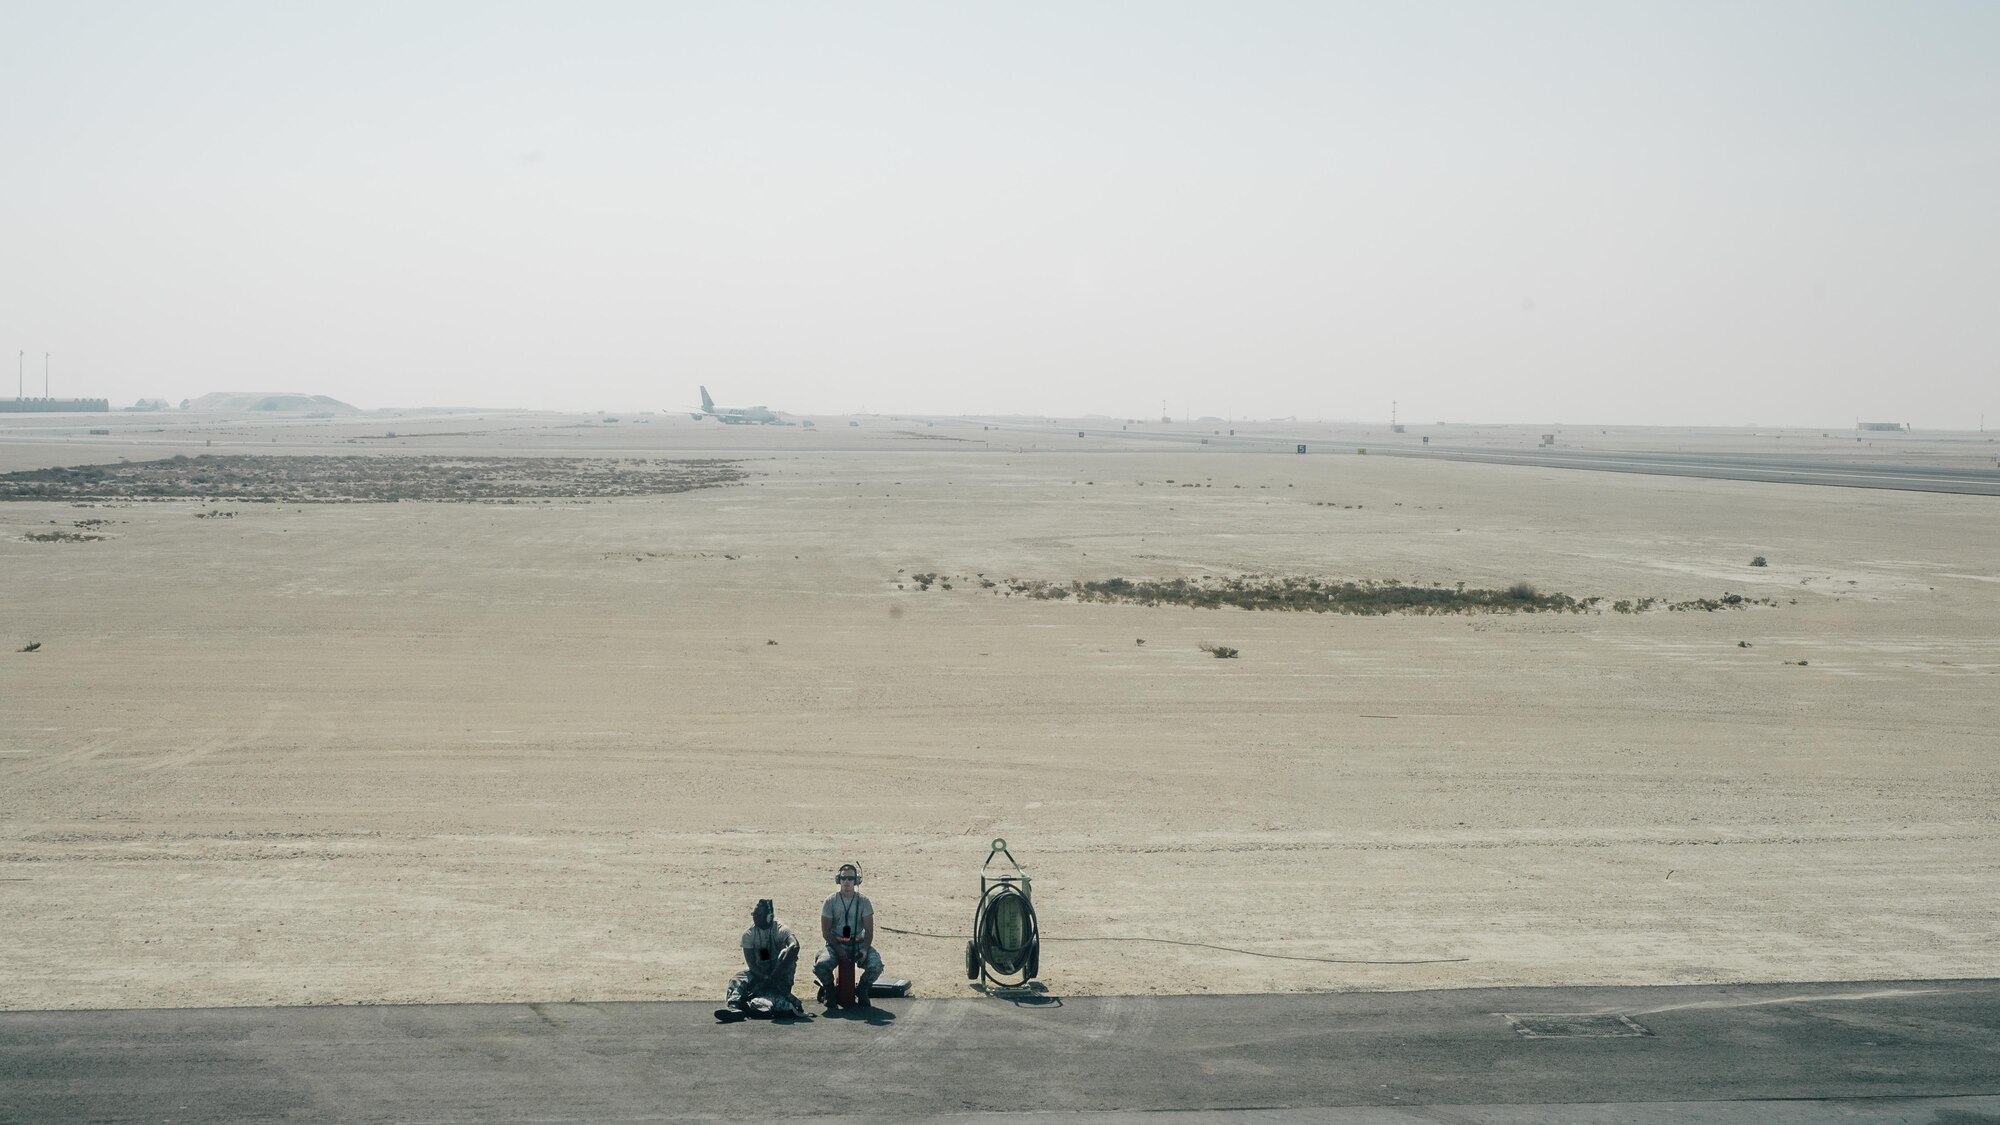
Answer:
(1894, 427)
(54, 405)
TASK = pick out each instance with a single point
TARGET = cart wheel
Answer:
(1034, 959)
(971, 961)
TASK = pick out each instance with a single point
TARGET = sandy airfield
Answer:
(422, 752)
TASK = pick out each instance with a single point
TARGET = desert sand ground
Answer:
(406, 752)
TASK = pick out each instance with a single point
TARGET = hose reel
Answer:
(1006, 939)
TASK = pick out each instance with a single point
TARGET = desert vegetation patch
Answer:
(1323, 595)
(334, 480)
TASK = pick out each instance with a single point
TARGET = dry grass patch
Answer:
(333, 480)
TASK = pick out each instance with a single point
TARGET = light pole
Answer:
(45, 374)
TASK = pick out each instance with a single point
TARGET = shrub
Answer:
(1759, 561)
(1220, 652)
(1367, 597)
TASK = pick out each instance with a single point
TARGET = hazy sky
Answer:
(1671, 212)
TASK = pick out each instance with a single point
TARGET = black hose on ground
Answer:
(1206, 945)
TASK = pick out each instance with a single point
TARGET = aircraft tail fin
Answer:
(707, 403)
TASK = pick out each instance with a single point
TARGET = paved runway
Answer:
(1900, 1051)
(1840, 473)
(1775, 470)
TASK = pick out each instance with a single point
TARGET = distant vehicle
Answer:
(736, 416)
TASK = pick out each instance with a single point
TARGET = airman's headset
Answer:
(844, 867)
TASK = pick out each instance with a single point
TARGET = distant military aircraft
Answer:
(736, 416)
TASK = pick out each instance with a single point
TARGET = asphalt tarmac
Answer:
(1876, 1052)
(1774, 470)
(1830, 472)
